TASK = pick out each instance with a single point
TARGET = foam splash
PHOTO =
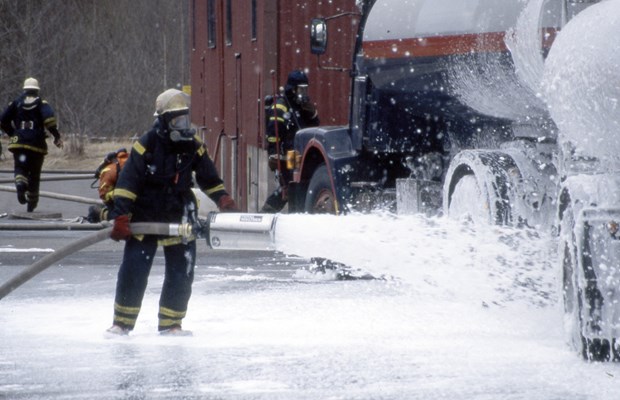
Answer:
(435, 256)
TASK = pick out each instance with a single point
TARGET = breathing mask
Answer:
(179, 127)
(302, 94)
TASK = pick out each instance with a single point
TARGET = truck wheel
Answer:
(480, 183)
(567, 251)
(594, 349)
(320, 198)
(469, 199)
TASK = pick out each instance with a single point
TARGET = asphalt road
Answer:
(267, 328)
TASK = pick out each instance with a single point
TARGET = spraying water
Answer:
(435, 256)
(505, 88)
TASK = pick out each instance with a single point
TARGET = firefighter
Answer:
(25, 121)
(285, 116)
(155, 185)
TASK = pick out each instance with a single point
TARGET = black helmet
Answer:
(295, 78)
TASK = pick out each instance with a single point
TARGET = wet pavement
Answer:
(264, 327)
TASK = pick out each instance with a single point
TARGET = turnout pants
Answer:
(133, 276)
(278, 199)
(27, 172)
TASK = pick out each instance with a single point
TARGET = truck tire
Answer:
(567, 251)
(591, 349)
(478, 183)
(468, 199)
(320, 198)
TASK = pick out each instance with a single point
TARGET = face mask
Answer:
(301, 94)
(180, 128)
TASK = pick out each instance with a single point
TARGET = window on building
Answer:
(254, 27)
(211, 20)
(229, 28)
(193, 24)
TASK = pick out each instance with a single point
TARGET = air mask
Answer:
(180, 128)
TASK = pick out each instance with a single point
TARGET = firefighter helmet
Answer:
(171, 100)
(31, 84)
(295, 78)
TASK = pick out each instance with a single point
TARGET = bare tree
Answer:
(100, 63)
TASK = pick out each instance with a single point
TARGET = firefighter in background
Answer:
(155, 185)
(107, 174)
(25, 121)
(285, 116)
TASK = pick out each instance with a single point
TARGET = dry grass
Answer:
(57, 159)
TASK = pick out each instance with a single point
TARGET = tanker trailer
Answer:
(439, 110)
(581, 85)
(459, 108)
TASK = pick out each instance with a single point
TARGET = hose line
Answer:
(144, 228)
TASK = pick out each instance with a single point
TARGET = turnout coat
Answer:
(155, 184)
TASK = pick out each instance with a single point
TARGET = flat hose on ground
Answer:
(42, 264)
(55, 178)
(59, 196)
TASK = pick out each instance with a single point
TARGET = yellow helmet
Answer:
(171, 100)
(31, 84)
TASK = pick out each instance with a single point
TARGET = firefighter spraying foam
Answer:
(155, 185)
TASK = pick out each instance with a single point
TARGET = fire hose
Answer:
(59, 196)
(222, 231)
(55, 178)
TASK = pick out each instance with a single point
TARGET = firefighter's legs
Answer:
(20, 172)
(27, 173)
(274, 203)
(132, 280)
(32, 195)
(177, 287)
(278, 199)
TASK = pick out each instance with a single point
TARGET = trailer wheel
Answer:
(480, 183)
(591, 349)
(468, 198)
(567, 251)
(320, 198)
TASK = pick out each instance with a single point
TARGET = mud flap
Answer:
(415, 196)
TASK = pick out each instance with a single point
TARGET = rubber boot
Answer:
(21, 193)
(33, 201)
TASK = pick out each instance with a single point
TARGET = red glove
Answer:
(121, 230)
(227, 204)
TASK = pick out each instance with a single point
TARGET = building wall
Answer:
(254, 45)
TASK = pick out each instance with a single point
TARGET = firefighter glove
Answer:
(59, 143)
(227, 204)
(308, 106)
(121, 230)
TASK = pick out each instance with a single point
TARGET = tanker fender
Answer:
(317, 147)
